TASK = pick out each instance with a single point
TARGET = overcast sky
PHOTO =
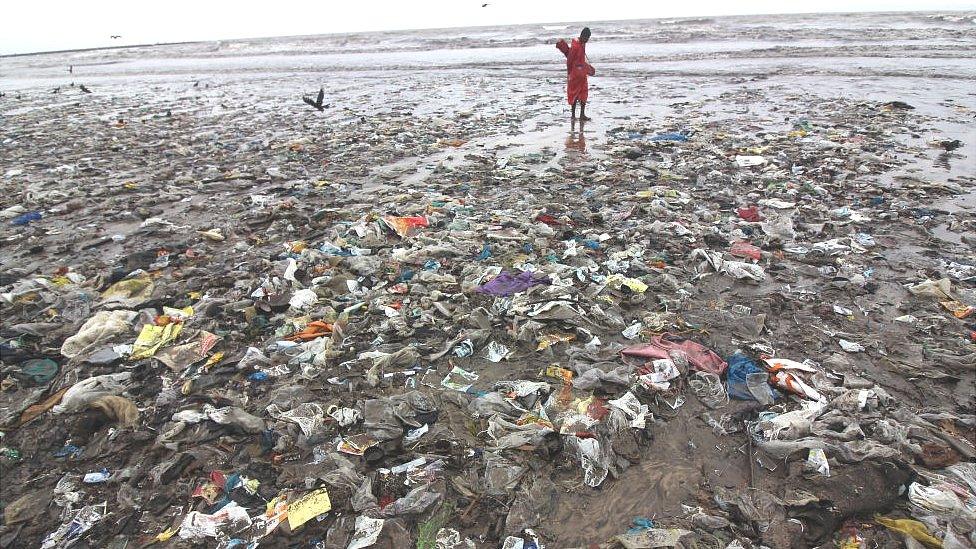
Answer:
(44, 25)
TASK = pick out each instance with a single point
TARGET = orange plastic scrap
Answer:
(314, 330)
(781, 374)
(958, 310)
(404, 226)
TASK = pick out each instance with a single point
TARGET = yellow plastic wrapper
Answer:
(217, 357)
(251, 485)
(152, 337)
(275, 512)
(548, 340)
(535, 419)
(166, 534)
(556, 372)
(912, 528)
(617, 281)
(308, 507)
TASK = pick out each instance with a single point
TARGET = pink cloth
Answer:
(699, 356)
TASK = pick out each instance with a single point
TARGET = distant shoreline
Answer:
(543, 24)
(77, 50)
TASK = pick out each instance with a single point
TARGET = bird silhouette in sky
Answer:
(317, 103)
(116, 36)
(484, 5)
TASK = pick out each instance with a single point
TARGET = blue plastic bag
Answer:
(740, 366)
(24, 219)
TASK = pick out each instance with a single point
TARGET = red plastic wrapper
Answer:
(750, 214)
(744, 249)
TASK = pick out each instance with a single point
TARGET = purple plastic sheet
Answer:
(506, 283)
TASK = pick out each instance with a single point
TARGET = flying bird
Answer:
(317, 103)
(484, 5)
(116, 36)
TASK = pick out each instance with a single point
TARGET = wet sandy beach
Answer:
(471, 127)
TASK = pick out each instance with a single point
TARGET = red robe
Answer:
(577, 70)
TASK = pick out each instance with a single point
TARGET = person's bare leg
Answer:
(583, 116)
(573, 115)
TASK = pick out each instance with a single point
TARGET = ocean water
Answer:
(936, 45)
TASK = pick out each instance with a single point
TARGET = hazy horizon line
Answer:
(375, 31)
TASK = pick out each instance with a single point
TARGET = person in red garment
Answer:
(578, 69)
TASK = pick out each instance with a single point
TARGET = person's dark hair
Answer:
(585, 35)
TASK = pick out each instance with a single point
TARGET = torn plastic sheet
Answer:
(230, 519)
(459, 379)
(636, 412)
(70, 532)
(308, 415)
(367, 532)
(594, 461)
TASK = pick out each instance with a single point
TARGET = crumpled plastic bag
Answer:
(785, 374)
(303, 300)
(501, 476)
(232, 415)
(380, 420)
(942, 503)
(345, 416)
(415, 502)
(102, 327)
(735, 269)
(86, 391)
(741, 269)
(779, 226)
(965, 472)
(592, 375)
(845, 452)
(309, 416)
(940, 289)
